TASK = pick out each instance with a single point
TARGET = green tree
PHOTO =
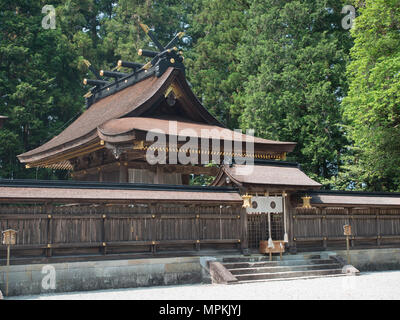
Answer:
(293, 56)
(372, 107)
(217, 27)
(124, 37)
(40, 78)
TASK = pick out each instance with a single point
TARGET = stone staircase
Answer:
(260, 268)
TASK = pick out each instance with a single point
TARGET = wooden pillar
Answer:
(103, 234)
(351, 220)
(159, 176)
(324, 226)
(185, 179)
(290, 225)
(378, 228)
(244, 234)
(123, 173)
(49, 251)
(154, 225)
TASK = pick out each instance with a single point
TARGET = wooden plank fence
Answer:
(323, 227)
(84, 229)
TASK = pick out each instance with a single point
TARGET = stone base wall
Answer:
(373, 259)
(85, 276)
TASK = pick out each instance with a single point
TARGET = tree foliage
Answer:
(276, 66)
(372, 106)
(293, 56)
(217, 27)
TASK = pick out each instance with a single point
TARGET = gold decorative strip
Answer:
(279, 156)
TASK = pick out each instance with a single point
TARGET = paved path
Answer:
(374, 285)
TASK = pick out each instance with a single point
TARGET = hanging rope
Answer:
(270, 242)
(285, 237)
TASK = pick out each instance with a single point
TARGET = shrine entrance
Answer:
(265, 220)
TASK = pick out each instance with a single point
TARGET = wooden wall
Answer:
(92, 229)
(322, 228)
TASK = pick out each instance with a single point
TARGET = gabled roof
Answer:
(120, 112)
(133, 100)
(267, 174)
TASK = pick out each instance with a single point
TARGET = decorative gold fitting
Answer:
(175, 48)
(102, 142)
(197, 216)
(88, 94)
(101, 72)
(144, 27)
(246, 201)
(181, 34)
(238, 217)
(49, 245)
(325, 239)
(172, 60)
(147, 66)
(104, 216)
(98, 169)
(140, 52)
(294, 239)
(153, 216)
(125, 164)
(85, 81)
(104, 244)
(119, 63)
(197, 241)
(88, 64)
(138, 145)
(27, 166)
(49, 216)
(153, 242)
(239, 240)
(306, 202)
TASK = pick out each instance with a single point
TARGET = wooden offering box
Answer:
(279, 247)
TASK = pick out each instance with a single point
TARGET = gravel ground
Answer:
(373, 285)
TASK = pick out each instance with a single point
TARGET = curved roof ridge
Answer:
(108, 108)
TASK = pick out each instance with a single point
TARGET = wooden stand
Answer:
(279, 247)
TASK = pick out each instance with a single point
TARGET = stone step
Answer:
(259, 264)
(293, 278)
(276, 258)
(286, 274)
(269, 269)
